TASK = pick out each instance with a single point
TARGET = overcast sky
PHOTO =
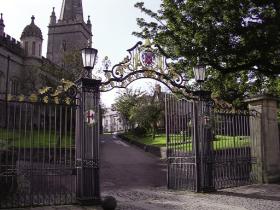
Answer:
(113, 22)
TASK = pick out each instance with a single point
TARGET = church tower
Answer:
(31, 40)
(69, 34)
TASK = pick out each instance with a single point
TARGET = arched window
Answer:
(2, 78)
(14, 86)
(26, 47)
(40, 49)
(64, 45)
(33, 48)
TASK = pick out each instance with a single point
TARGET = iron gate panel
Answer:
(209, 148)
(232, 155)
(37, 155)
(181, 148)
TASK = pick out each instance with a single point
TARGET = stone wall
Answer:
(265, 135)
(9, 47)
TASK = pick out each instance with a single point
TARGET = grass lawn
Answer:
(37, 139)
(220, 142)
(159, 141)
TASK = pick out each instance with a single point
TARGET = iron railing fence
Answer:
(37, 154)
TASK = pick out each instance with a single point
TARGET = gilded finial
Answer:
(147, 42)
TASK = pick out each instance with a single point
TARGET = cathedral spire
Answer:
(72, 10)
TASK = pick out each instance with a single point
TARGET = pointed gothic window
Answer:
(14, 86)
(1, 82)
(64, 45)
(26, 47)
(33, 48)
(40, 49)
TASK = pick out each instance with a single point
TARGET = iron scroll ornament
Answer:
(144, 61)
(64, 94)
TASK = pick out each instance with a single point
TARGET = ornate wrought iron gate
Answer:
(181, 147)
(208, 148)
(37, 156)
(49, 146)
(233, 148)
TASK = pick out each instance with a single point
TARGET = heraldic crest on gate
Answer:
(144, 61)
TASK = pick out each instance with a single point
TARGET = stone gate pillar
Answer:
(87, 142)
(265, 139)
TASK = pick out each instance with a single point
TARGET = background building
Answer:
(23, 69)
(69, 34)
(112, 121)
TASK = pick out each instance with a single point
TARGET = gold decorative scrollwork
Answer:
(144, 61)
(65, 93)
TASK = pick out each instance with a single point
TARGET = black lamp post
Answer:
(199, 75)
(87, 132)
(203, 133)
(89, 56)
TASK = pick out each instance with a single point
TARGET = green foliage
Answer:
(28, 80)
(139, 131)
(73, 65)
(138, 108)
(228, 35)
(234, 87)
(239, 40)
(71, 70)
(147, 115)
(125, 102)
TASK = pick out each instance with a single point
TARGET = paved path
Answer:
(255, 197)
(161, 199)
(124, 166)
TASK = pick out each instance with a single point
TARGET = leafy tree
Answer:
(239, 40)
(71, 70)
(139, 108)
(234, 87)
(147, 115)
(73, 65)
(28, 80)
(228, 35)
(125, 103)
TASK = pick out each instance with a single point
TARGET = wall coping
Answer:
(261, 98)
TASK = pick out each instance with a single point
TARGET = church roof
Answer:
(32, 30)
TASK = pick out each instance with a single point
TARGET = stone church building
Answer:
(23, 69)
